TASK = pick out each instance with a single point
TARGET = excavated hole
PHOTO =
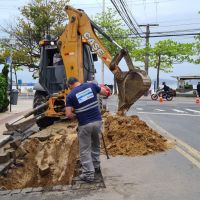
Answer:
(49, 157)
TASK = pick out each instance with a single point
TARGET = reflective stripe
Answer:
(96, 105)
(91, 104)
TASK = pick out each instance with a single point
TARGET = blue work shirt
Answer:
(83, 99)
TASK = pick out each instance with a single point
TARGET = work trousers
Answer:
(89, 143)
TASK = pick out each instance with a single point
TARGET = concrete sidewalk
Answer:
(23, 106)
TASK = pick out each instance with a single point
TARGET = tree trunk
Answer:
(115, 86)
(158, 71)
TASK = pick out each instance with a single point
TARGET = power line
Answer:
(123, 10)
(177, 31)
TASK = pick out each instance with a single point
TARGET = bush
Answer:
(4, 102)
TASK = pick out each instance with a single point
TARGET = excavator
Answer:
(74, 54)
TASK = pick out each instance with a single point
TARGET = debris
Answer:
(15, 144)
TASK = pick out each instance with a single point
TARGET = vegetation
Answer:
(112, 25)
(37, 19)
(4, 102)
(165, 54)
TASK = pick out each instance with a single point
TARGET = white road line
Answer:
(176, 114)
(179, 111)
(160, 110)
(195, 111)
(139, 109)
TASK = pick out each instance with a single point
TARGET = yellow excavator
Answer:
(73, 54)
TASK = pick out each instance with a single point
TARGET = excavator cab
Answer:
(52, 73)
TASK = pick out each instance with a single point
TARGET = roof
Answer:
(188, 77)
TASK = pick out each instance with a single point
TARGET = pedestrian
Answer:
(83, 100)
(198, 89)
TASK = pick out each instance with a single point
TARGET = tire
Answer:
(154, 97)
(40, 98)
(169, 97)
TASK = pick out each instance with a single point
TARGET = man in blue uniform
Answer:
(83, 99)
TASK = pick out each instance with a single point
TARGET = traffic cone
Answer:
(197, 100)
(161, 99)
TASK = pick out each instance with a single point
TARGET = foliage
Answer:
(37, 19)
(112, 25)
(3, 89)
(164, 54)
(169, 51)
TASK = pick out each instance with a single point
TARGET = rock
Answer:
(44, 170)
(15, 144)
(20, 152)
(19, 163)
(4, 157)
(42, 136)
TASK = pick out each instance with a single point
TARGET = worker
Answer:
(83, 99)
(198, 89)
(165, 87)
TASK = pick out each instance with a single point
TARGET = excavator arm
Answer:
(131, 85)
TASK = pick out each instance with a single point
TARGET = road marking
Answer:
(179, 111)
(176, 114)
(160, 110)
(192, 154)
(139, 109)
(195, 111)
(188, 156)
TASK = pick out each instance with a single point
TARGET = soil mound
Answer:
(130, 136)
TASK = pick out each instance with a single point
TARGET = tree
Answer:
(164, 54)
(38, 18)
(4, 102)
(112, 25)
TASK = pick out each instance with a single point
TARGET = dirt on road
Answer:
(130, 136)
(48, 157)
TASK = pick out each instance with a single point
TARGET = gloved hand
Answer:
(107, 89)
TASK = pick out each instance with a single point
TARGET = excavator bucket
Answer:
(133, 85)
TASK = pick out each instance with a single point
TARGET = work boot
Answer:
(87, 177)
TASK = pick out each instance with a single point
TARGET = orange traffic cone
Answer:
(197, 100)
(161, 99)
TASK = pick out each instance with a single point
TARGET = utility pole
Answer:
(12, 42)
(146, 63)
(102, 63)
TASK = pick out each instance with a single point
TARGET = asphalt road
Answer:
(178, 119)
(170, 175)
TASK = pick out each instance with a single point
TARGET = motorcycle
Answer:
(165, 95)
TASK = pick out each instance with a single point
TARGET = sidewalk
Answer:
(23, 106)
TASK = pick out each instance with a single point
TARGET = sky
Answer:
(169, 14)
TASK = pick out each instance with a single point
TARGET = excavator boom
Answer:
(131, 84)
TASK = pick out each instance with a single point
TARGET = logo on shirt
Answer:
(84, 95)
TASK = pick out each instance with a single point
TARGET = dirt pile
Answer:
(47, 158)
(130, 136)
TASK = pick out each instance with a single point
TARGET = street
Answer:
(170, 175)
